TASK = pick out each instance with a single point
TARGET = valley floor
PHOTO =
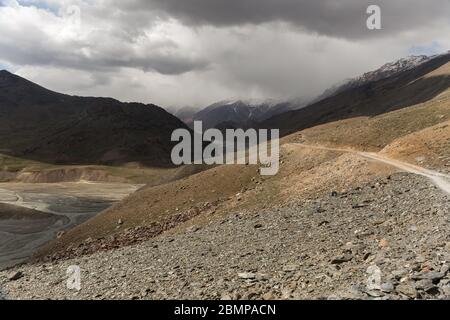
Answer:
(31, 214)
(318, 248)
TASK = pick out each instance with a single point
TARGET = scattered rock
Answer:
(15, 275)
(290, 268)
(446, 289)
(374, 293)
(268, 296)
(383, 243)
(193, 229)
(387, 287)
(407, 289)
(246, 275)
(346, 257)
(366, 256)
(400, 273)
(226, 296)
(323, 222)
(425, 284)
(432, 275)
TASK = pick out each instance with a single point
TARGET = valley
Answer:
(319, 248)
(246, 151)
(31, 214)
(363, 184)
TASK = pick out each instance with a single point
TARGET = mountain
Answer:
(239, 113)
(394, 86)
(185, 114)
(39, 124)
(232, 114)
(385, 71)
(404, 118)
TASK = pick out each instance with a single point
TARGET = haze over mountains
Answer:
(249, 113)
(387, 92)
(386, 70)
(239, 113)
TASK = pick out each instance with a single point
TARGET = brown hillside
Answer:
(305, 174)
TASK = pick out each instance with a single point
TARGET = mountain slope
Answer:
(239, 113)
(403, 89)
(38, 124)
(387, 70)
(304, 173)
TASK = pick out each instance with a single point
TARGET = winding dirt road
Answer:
(441, 180)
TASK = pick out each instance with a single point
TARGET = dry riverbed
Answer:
(32, 214)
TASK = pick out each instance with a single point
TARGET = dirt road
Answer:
(441, 180)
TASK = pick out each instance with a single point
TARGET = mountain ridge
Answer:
(397, 91)
(246, 113)
(239, 113)
(386, 70)
(81, 130)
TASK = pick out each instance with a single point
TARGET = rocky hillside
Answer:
(335, 222)
(39, 124)
(384, 240)
(226, 189)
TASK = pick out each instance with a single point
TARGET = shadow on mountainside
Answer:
(42, 125)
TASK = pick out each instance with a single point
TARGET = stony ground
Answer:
(386, 240)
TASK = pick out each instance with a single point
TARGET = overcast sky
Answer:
(195, 52)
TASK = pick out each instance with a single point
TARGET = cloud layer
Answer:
(345, 18)
(194, 52)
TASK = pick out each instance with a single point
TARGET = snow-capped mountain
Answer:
(385, 71)
(239, 113)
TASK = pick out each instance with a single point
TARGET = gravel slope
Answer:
(399, 226)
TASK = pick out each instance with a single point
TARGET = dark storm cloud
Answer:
(200, 51)
(343, 18)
